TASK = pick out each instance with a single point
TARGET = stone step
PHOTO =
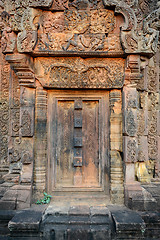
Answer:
(5, 217)
(83, 223)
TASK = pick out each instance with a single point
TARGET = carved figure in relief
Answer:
(50, 25)
(85, 42)
(53, 22)
(88, 33)
(26, 41)
(8, 40)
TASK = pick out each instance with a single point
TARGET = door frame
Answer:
(103, 97)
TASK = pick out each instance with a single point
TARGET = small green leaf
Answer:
(45, 200)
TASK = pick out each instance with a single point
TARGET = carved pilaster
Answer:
(4, 113)
(40, 140)
(116, 168)
(153, 113)
(27, 119)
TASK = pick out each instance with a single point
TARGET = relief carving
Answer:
(60, 4)
(26, 124)
(131, 151)
(146, 38)
(131, 123)
(4, 110)
(76, 30)
(14, 155)
(15, 118)
(83, 20)
(152, 147)
(40, 3)
(79, 73)
(26, 41)
(26, 158)
(8, 38)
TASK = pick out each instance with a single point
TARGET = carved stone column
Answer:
(40, 150)
(116, 165)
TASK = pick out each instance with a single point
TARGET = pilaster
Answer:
(116, 165)
(40, 149)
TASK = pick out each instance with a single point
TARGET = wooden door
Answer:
(77, 140)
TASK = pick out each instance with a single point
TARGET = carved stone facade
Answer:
(91, 63)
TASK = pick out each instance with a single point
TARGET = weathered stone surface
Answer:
(27, 220)
(130, 149)
(126, 220)
(55, 45)
(80, 73)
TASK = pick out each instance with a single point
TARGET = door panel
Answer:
(76, 143)
(90, 131)
(64, 148)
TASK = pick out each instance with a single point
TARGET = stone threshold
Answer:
(83, 222)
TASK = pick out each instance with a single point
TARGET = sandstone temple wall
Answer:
(79, 44)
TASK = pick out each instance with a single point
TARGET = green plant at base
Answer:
(45, 200)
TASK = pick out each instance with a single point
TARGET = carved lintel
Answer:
(80, 73)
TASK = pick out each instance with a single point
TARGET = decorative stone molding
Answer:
(23, 66)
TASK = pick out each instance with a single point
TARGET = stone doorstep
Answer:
(71, 222)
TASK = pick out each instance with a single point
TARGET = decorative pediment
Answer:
(139, 34)
(80, 27)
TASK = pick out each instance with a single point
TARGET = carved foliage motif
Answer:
(15, 106)
(14, 155)
(130, 107)
(4, 110)
(131, 151)
(26, 124)
(79, 73)
(27, 119)
(131, 125)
